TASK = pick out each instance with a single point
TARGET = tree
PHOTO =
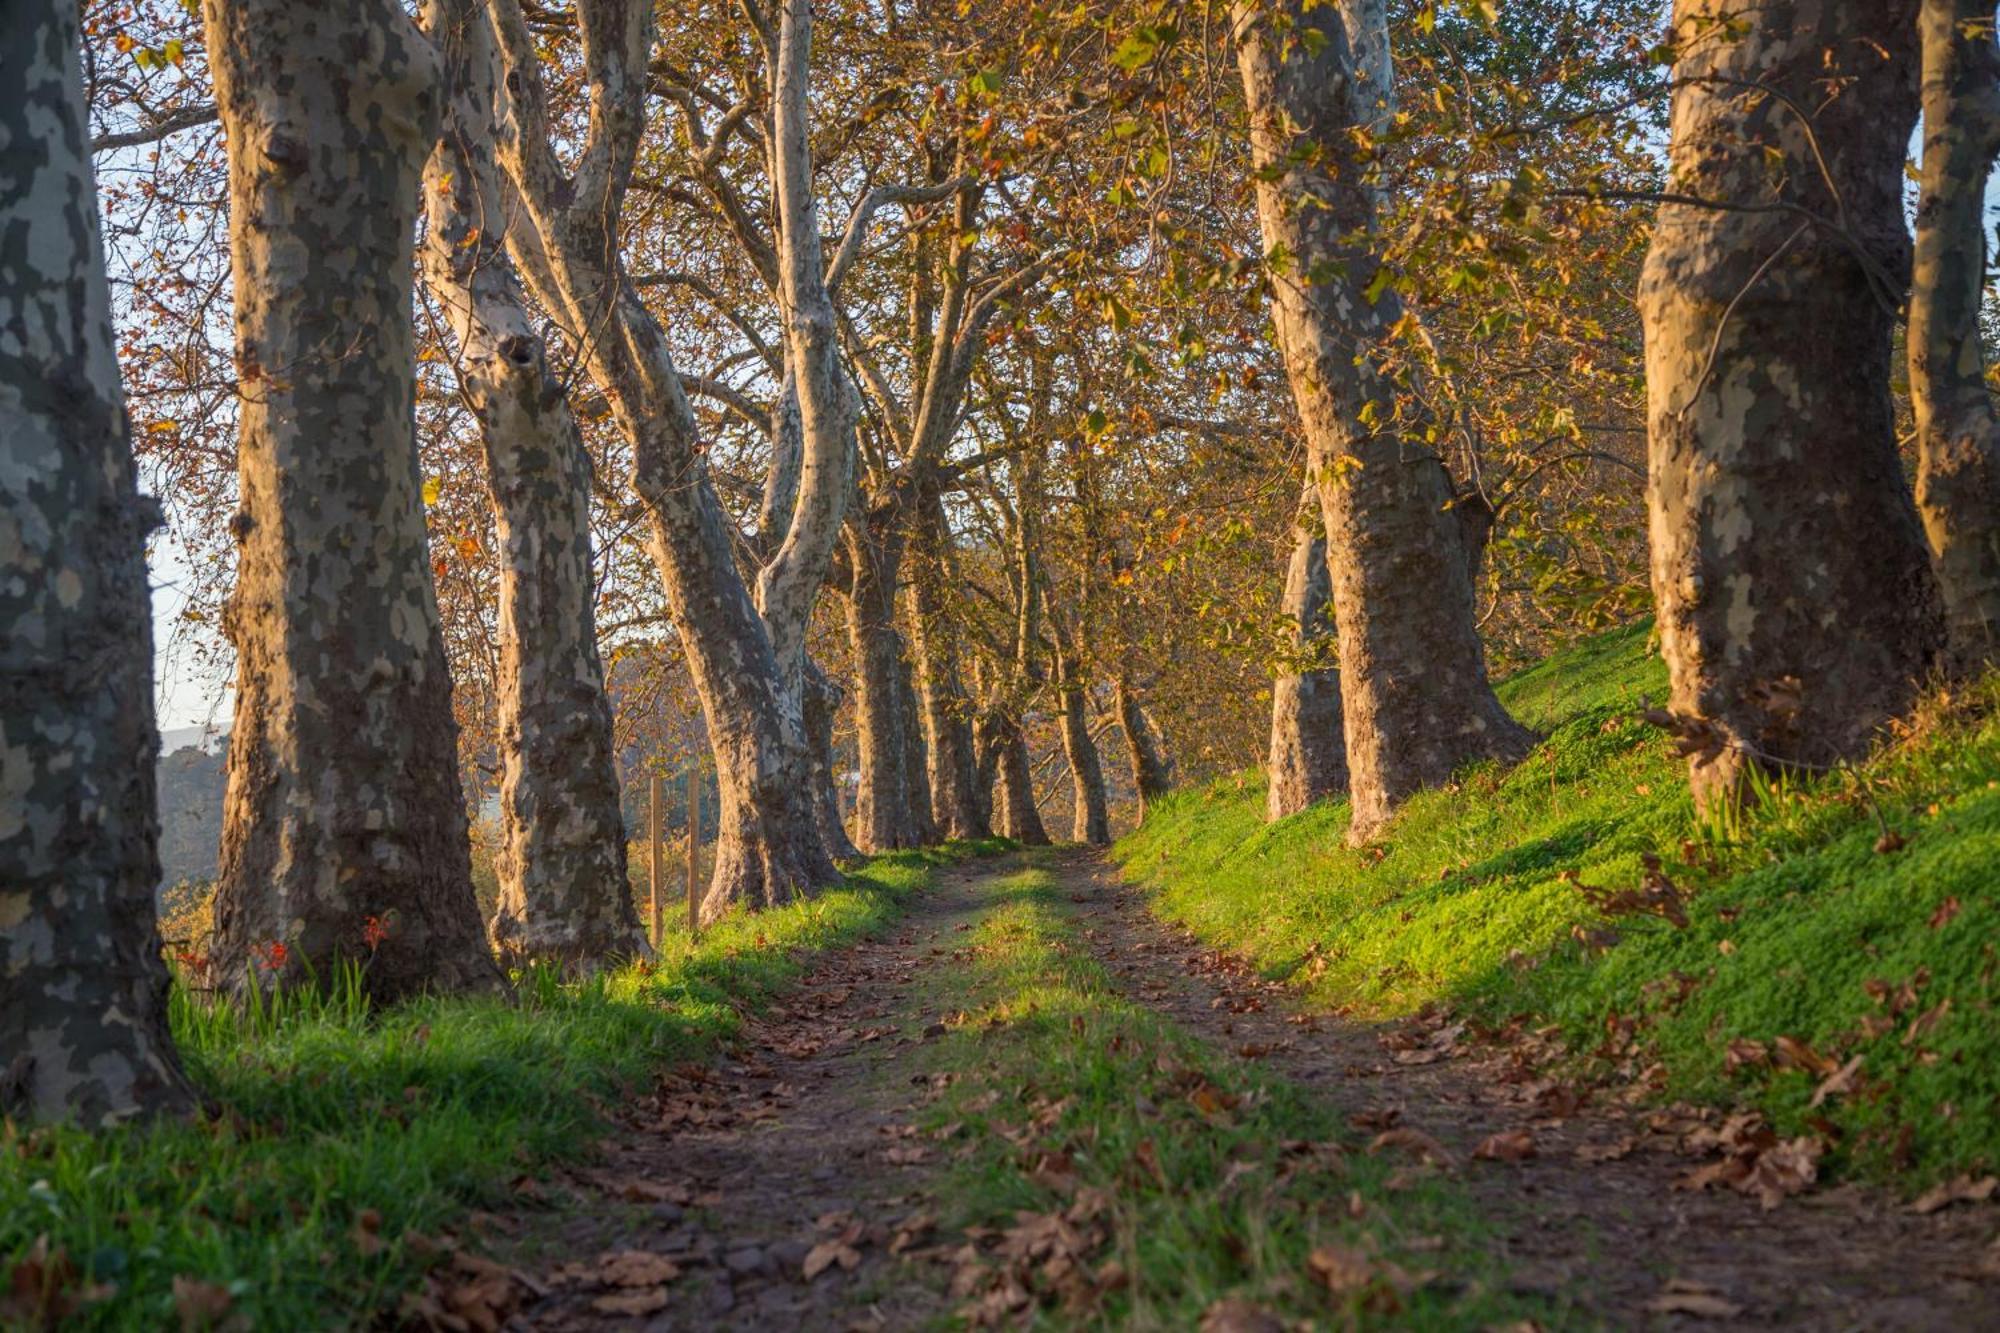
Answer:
(1797, 608)
(1958, 435)
(564, 894)
(344, 835)
(1308, 758)
(1415, 695)
(83, 990)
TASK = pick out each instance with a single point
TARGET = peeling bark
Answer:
(1145, 750)
(564, 894)
(1416, 698)
(1090, 819)
(343, 803)
(1797, 608)
(83, 993)
(1308, 759)
(1958, 435)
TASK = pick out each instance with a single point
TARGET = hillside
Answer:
(1837, 963)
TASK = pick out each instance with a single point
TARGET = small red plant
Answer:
(373, 932)
(271, 956)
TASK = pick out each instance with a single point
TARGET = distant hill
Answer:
(190, 782)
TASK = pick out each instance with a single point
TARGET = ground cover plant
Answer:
(1827, 955)
(351, 1137)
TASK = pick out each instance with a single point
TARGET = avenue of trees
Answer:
(981, 416)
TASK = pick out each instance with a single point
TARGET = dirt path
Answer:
(726, 1184)
(1591, 1222)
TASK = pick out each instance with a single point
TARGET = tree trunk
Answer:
(1958, 436)
(1416, 698)
(916, 763)
(1090, 822)
(822, 701)
(83, 993)
(1014, 804)
(566, 242)
(564, 895)
(1308, 760)
(344, 816)
(882, 801)
(1797, 608)
(1152, 771)
(942, 701)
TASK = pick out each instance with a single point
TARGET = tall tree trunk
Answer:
(566, 242)
(1308, 761)
(1797, 608)
(1958, 436)
(1416, 698)
(822, 701)
(916, 763)
(1015, 813)
(83, 993)
(942, 701)
(564, 895)
(1090, 821)
(1152, 770)
(344, 805)
(883, 797)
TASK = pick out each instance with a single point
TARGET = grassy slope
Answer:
(417, 1114)
(1049, 1059)
(1794, 912)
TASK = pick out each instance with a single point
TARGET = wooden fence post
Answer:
(694, 851)
(656, 793)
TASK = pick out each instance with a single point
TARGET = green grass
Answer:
(1198, 1154)
(417, 1114)
(1794, 911)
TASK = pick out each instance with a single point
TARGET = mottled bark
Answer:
(883, 797)
(1014, 811)
(916, 762)
(1797, 608)
(1308, 759)
(344, 806)
(566, 241)
(822, 701)
(564, 895)
(1958, 435)
(1145, 749)
(945, 709)
(1416, 700)
(1090, 819)
(83, 993)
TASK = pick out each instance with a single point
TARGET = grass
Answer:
(1215, 1181)
(345, 1133)
(1799, 927)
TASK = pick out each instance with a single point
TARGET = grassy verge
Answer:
(1132, 1177)
(346, 1132)
(1804, 923)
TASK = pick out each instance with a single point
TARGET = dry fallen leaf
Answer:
(1839, 1083)
(1414, 1142)
(636, 1268)
(1341, 1269)
(1511, 1146)
(1234, 1315)
(1695, 1300)
(631, 1303)
(1963, 1189)
(828, 1253)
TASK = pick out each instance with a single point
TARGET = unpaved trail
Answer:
(1609, 1240)
(736, 1175)
(722, 1184)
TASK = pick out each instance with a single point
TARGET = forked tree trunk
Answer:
(1090, 819)
(1416, 699)
(1308, 760)
(1152, 770)
(822, 701)
(1797, 608)
(1958, 436)
(1014, 811)
(564, 895)
(343, 816)
(83, 993)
